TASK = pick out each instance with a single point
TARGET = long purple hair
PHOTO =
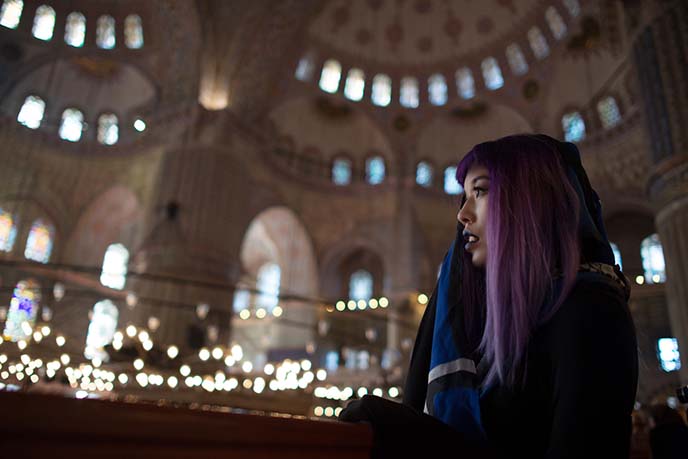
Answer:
(533, 250)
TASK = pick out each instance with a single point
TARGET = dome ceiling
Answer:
(412, 32)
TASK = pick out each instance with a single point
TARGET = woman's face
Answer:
(473, 214)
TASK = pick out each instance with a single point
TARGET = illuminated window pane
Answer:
(114, 272)
(555, 22)
(23, 309)
(341, 171)
(72, 125)
(108, 131)
(573, 7)
(331, 361)
(75, 30)
(617, 255)
(361, 285)
(375, 170)
(451, 185)
(304, 71)
(31, 113)
(653, 259)
(11, 12)
(268, 283)
(492, 74)
(101, 330)
(669, 357)
(424, 174)
(330, 76)
(465, 84)
(437, 89)
(574, 127)
(105, 32)
(39, 244)
(382, 90)
(363, 360)
(408, 96)
(133, 32)
(538, 43)
(355, 84)
(44, 23)
(241, 300)
(517, 61)
(609, 112)
(8, 231)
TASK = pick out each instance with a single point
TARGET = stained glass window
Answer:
(609, 112)
(381, 94)
(11, 12)
(108, 130)
(617, 255)
(330, 76)
(101, 330)
(424, 174)
(75, 30)
(573, 7)
(653, 259)
(437, 89)
(44, 23)
(39, 244)
(375, 170)
(23, 309)
(341, 171)
(538, 43)
(8, 231)
(133, 32)
(451, 185)
(555, 22)
(669, 357)
(31, 113)
(361, 285)
(408, 95)
(105, 32)
(574, 127)
(492, 74)
(517, 61)
(72, 125)
(268, 283)
(242, 297)
(465, 85)
(304, 70)
(355, 85)
(114, 271)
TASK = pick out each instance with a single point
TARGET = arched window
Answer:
(451, 185)
(72, 125)
(424, 174)
(538, 43)
(361, 285)
(114, 272)
(355, 85)
(332, 360)
(101, 330)
(8, 231)
(268, 284)
(617, 255)
(341, 171)
(573, 7)
(574, 127)
(609, 113)
(653, 259)
(105, 32)
(242, 297)
(304, 70)
(329, 78)
(381, 94)
(31, 113)
(133, 32)
(492, 74)
(375, 170)
(44, 23)
(437, 89)
(75, 30)
(363, 360)
(517, 61)
(669, 357)
(465, 85)
(11, 12)
(408, 95)
(39, 244)
(555, 22)
(108, 130)
(23, 309)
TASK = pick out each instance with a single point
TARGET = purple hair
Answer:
(532, 239)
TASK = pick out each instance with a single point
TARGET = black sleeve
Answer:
(595, 370)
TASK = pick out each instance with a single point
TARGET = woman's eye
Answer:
(479, 191)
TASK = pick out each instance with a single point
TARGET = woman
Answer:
(527, 347)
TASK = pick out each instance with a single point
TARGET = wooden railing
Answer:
(54, 427)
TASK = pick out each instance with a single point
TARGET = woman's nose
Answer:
(465, 215)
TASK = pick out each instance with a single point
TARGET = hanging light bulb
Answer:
(58, 291)
(132, 300)
(202, 310)
(46, 314)
(311, 347)
(213, 333)
(153, 323)
(371, 334)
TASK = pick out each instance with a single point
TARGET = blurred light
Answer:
(131, 331)
(64, 358)
(656, 278)
(640, 280)
(337, 411)
(329, 411)
(26, 328)
(60, 340)
(247, 367)
(58, 291)
(172, 382)
(204, 354)
(260, 313)
(118, 336)
(3, 358)
(144, 336)
(138, 364)
(153, 323)
(372, 303)
(259, 385)
(377, 392)
(393, 392)
(340, 307)
(25, 359)
(142, 379)
(131, 300)
(269, 369)
(172, 352)
(244, 314)
(362, 391)
(361, 304)
(229, 361)
(321, 375)
(37, 337)
(351, 304)
(237, 352)
(306, 364)
(247, 383)
(185, 370)
(218, 353)
(81, 394)
(139, 125)
(45, 330)
(422, 298)
(122, 378)
(202, 310)
(384, 302)
(277, 311)
(117, 345)
(96, 362)
(147, 345)
(318, 410)
(109, 386)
